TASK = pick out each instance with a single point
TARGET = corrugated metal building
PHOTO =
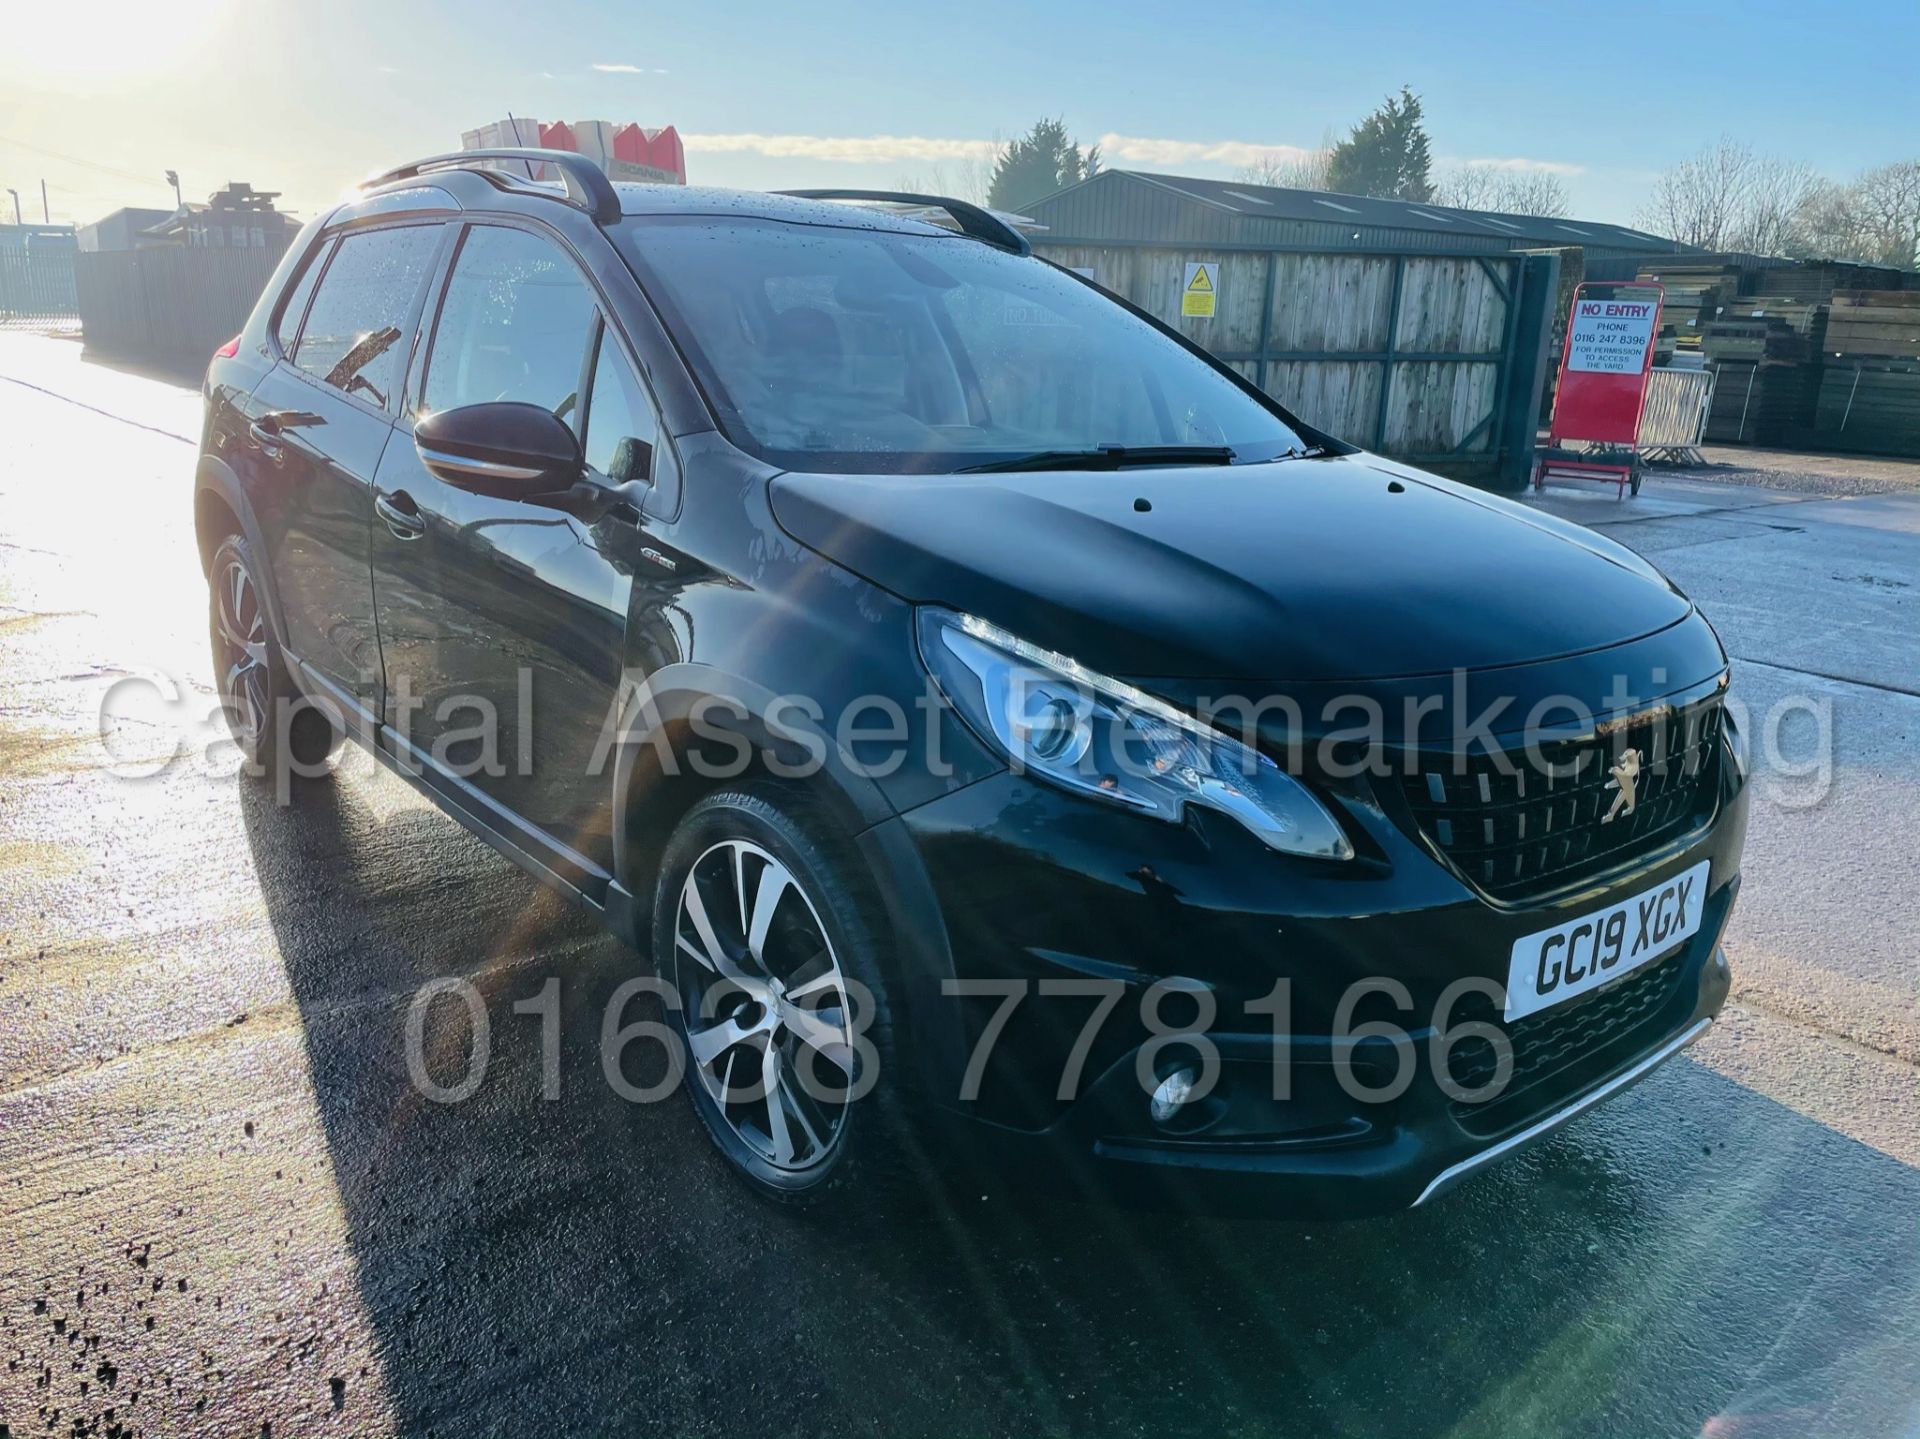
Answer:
(1131, 205)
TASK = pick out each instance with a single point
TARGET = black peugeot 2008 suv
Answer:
(978, 703)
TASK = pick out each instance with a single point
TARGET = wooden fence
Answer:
(169, 303)
(1435, 359)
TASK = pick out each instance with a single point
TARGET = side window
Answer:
(288, 326)
(353, 338)
(621, 429)
(514, 326)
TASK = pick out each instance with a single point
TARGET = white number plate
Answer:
(1570, 959)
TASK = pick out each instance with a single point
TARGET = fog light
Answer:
(1175, 1090)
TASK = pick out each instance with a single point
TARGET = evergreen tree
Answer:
(1041, 161)
(1386, 155)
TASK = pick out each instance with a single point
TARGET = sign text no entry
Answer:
(1610, 337)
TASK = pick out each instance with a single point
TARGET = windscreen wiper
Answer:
(1108, 457)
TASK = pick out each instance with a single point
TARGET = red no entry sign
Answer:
(1603, 369)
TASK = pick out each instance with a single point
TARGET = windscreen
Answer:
(863, 350)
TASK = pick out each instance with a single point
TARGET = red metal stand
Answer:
(1626, 476)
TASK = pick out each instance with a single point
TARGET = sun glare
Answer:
(120, 37)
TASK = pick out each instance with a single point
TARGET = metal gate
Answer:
(36, 282)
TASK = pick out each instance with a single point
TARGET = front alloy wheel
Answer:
(767, 928)
(768, 1023)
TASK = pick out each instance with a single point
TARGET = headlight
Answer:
(1101, 737)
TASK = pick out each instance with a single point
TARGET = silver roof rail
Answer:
(587, 185)
(971, 219)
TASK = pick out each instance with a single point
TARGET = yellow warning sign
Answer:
(1197, 290)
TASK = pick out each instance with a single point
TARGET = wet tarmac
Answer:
(225, 1209)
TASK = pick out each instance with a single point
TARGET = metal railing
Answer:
(1673, 423)
(37, 289)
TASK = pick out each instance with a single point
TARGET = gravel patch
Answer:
(1838, 476)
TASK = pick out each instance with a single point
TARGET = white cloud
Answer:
(1139, 150)
(619, 69)
(849, 149)
(1488, 162)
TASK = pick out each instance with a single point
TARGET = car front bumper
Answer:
(1014, 888)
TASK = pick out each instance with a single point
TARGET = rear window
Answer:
(353, 338)
(849, 349)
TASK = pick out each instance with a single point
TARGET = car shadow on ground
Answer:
(1695, 1259)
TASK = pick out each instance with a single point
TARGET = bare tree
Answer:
(1292, 170)
(1534, 192)
(966, 179)
(1728, 198)
(1832, 225)
(1700, 200)
(1514, 192)
(1888, 202)
(1469, 187)
(1773, 205)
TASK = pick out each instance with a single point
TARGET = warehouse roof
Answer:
(1249, 209)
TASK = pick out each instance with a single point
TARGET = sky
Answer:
(100, 99)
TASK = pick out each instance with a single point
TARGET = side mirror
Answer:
(504, 448)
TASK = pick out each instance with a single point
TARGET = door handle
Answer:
(270, 431)
(265, 434)
(400, 515)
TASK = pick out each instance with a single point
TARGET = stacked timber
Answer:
(1766, 351)
(1793, 314)
(1874, 324)
(1757, 337)
(1693, 295)
(1819, 279)
(1762, 402)
(1869, 398)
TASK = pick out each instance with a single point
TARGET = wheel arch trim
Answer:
(216, 478)
(659, 714)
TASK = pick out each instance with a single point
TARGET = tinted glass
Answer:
(514, 326)
(850, 349)
(296, 306)
(354, 337)
(621, 429)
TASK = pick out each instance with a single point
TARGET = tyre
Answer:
(269, 719)
(766, 928)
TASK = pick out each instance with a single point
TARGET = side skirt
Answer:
(553, 864)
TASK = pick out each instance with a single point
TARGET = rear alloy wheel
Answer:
(240, 653)
(758, 931)
(264, 713)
